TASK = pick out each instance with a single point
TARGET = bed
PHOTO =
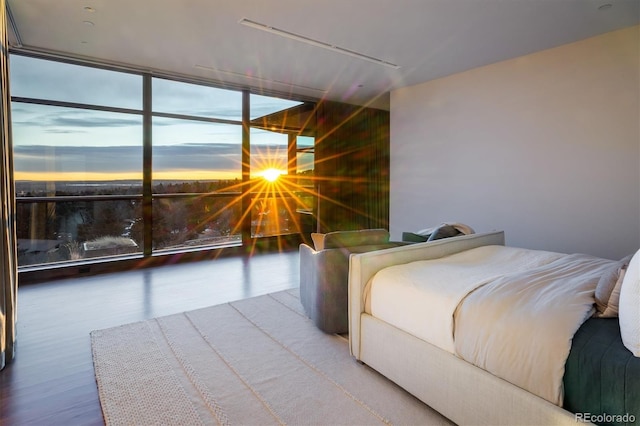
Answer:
(475, 350)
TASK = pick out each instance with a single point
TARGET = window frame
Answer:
(147, 196)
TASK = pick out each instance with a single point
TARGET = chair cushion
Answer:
(341, 239)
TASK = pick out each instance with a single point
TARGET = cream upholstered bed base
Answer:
(460, 391)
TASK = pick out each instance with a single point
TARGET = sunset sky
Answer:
(55, 143)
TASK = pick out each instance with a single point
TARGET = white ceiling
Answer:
(428, 39)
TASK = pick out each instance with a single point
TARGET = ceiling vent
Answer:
(313, 42)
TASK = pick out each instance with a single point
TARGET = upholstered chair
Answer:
(324, 272)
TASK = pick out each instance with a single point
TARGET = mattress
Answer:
(602, 377)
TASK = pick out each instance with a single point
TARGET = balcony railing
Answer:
(56, 230)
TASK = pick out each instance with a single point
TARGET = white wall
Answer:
(545, 147)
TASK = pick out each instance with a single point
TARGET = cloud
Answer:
(224, 113)
(45, 79)
(61, 120)
(197, 156)
(48, 117)
(118, 159)
(38, 158)
(64, 131)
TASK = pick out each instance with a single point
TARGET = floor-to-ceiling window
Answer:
(281, 155)
(197, 165)
(77, 137)
(84, 176)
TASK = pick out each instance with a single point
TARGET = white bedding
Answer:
(529, 319)
(510, 311)
(421, 297)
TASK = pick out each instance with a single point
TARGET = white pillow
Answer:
(629, 307)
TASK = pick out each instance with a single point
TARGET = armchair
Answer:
(324, 272)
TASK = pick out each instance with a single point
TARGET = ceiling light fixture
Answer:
(88, 23)
(251, 77)
(317, 43)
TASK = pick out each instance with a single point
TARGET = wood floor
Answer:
(51, 381)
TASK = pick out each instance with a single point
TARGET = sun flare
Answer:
(272, 174)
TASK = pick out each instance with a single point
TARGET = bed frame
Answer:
(457, 389)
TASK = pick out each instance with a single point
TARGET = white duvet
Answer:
(510, 311)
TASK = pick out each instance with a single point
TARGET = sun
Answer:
(272, 174)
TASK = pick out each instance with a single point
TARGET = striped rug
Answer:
(255, 361)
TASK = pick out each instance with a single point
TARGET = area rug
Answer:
(254, 361)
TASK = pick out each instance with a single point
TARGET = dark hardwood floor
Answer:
(51, 381)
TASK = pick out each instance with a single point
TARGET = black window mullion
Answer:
(147, 200)
(292, 155)
(246, 168)
(66, 104)
(194, 118)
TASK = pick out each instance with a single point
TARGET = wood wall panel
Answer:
(352, 167)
